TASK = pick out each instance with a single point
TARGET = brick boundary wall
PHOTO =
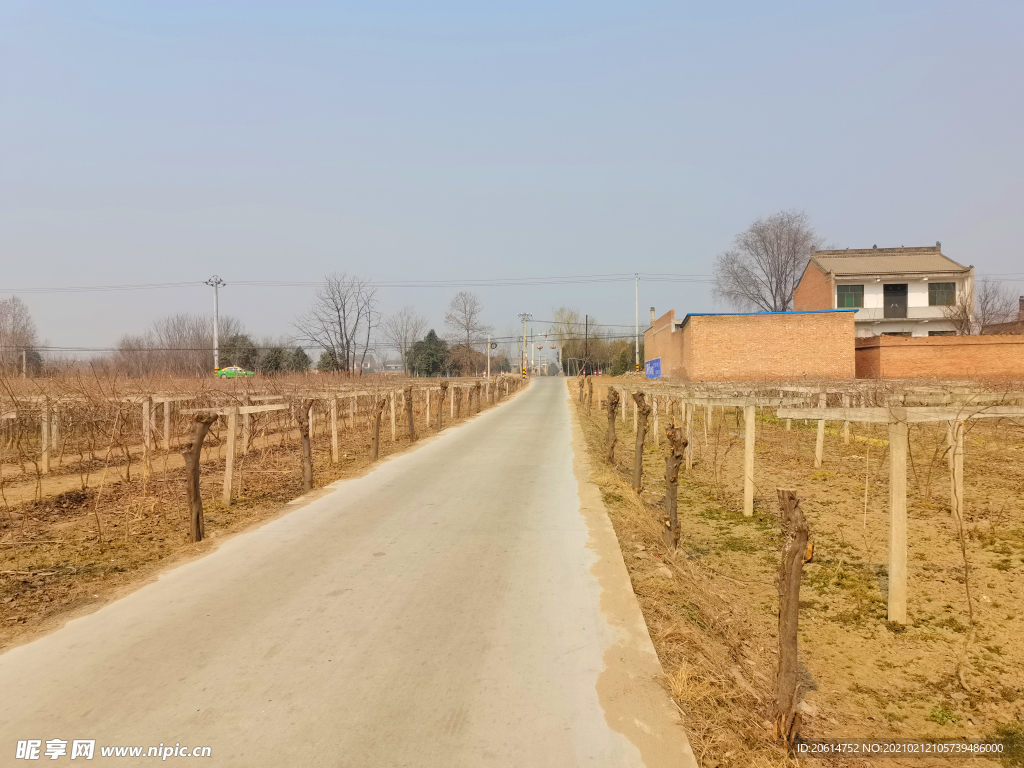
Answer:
(769, 346)
(663, 340)
(940, 357)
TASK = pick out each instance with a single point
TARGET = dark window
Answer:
(942, 333)
(897, 333)
(849, 296)
(941, 294)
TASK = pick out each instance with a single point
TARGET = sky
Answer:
(146, 143)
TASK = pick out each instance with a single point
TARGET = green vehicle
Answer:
(231, 372)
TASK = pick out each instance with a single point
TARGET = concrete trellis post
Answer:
(167, 424)
(334, 429)
(819, 445)
(229, 465)
(846, 424)
(394, 432)
(898, 441)
(748, 460)
(44, 439)
(147, 434)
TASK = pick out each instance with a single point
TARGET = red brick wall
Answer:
(941, 357)
(663, 340)
(815, 291)
(789, 345)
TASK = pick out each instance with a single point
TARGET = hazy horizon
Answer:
(261, 142)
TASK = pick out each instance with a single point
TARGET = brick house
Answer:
(896, 291)
(752, 346)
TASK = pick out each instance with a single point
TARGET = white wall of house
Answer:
(921, 317)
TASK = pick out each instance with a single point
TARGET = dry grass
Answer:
(714, 619)
(54, 560)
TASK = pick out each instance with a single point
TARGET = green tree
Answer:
(298, 360)
(429, 356)
(328, 362)
(625, 361)
(238, 349)
(274, 360)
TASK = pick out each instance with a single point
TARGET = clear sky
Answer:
(166, 142)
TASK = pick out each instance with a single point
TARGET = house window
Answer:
(849, 296)
(941, 294)
(942, 333)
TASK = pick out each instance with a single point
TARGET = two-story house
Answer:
(897, 291)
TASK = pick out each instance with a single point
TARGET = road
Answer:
(464, 604)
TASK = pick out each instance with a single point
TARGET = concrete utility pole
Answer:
(524, 316)
(636, 331)
(488, 356)
(216, 282)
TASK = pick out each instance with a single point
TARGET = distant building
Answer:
(896, 291)
(751, 346)
(1015, 327)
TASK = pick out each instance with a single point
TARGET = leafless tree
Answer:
(342, 319)
(17, 334)
(180, 345)
(990, 302)
(401, 330)
(463, 320)
(764, 267)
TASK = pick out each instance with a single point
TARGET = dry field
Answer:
(100, 523)
(953, 670)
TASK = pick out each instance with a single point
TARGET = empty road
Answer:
(464, 604)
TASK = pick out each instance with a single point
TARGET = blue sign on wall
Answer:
(652, 368)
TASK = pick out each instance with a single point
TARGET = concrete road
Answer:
(462, 605)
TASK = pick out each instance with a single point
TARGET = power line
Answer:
(497, 282)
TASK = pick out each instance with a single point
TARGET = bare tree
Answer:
(463, 319)
(764, 267)
(401, 330)
(989, 303)
(17, 334)
(180, 344)
(342, 319)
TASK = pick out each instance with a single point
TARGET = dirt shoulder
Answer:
(711, 605)
(632, 687)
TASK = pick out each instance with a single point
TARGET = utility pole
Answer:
(586, 342)
(216, 282)
(488, 355)
(522, 363)
(636, 330)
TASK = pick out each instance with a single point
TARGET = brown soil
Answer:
(712, 605)
(54, 565)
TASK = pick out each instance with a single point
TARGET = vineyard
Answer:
(898, 637)
(96, 474)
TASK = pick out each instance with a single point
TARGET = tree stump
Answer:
(440, 403)
(302, 416)
(407, 395)
(795, 533)
(609, 437)
(378, 411)
(192, 452)
(643, 411)
(676, 451)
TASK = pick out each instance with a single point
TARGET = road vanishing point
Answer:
(463, 604)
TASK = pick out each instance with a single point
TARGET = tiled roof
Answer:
(886, 261)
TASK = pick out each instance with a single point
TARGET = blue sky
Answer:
(147, 143)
